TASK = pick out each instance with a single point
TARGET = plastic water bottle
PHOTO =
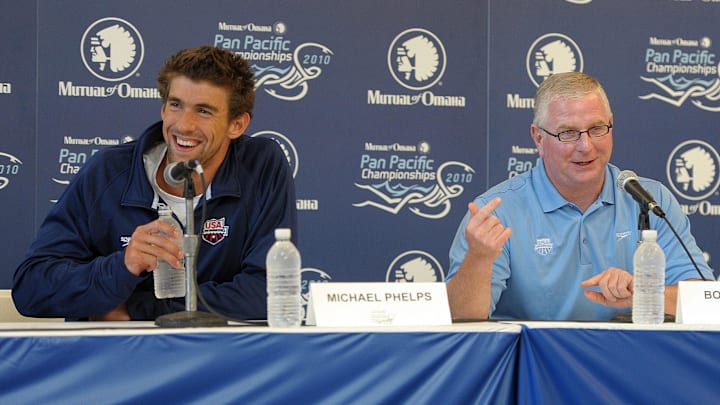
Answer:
(169, 281)
(283, 281)
(648, 281)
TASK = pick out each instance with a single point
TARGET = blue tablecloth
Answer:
(454, 365)
(618, 364)
(485, 363)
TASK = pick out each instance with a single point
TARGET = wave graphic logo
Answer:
(112, 49)
(692, 170)
(433, 201)
(702, 93)
(290, 83)
(11, 166)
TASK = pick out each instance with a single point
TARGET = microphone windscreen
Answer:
(623, 177)
(169, 178)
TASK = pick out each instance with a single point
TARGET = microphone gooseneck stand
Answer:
(644, 223)
(191, 317)
(643, 218)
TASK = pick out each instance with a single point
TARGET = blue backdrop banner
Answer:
(393, 115)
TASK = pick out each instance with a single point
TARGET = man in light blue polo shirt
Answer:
(557, 242)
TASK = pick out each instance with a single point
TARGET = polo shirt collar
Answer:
(551, 199)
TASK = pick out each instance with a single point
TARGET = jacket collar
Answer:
(139, 192)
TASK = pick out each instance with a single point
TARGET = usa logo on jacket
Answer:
(214, 230)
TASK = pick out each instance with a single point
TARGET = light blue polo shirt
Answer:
(554, 246)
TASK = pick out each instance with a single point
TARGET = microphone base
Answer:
(190, 319)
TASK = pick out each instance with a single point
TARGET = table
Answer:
(610, 363)
(466, 363)
(137, 362)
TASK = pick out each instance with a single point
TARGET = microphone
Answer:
(176, 173)
(627, 181)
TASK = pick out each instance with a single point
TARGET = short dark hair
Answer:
(217, 66)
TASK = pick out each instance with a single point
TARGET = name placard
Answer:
(698, 302)
(378, 304)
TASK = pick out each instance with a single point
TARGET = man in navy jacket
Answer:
(95, 252)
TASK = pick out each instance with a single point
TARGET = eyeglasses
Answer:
(573, 135)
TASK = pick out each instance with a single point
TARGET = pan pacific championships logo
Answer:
(9, 166)
(112, 49)
(397, 178)
(693, 173)
(682, 70)
(280, 70)
(74, 153)
(310, 275)
(291, 83)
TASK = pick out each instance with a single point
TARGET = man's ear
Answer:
(536, 134)
(238, 125)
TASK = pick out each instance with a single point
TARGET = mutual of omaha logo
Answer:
(692, 170)
(112, 49)
(553, 53)
(417, 59)
(415, 266)
(288, 148)
(543, 246)
(214, 230)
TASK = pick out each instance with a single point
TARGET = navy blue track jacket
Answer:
(75, 267)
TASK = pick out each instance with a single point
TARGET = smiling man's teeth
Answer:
(185, 143)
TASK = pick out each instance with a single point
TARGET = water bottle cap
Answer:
(282, 233)
(649, 234)
(164, 210)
